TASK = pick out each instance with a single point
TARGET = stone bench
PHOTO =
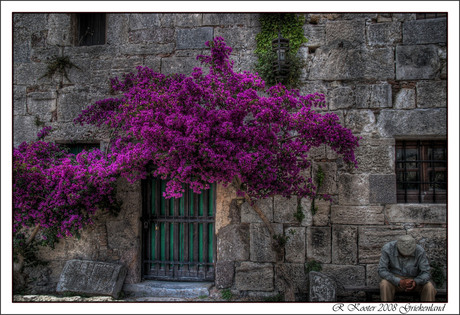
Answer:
(370, 291)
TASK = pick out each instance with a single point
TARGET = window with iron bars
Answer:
(90, 29)
(421, 171)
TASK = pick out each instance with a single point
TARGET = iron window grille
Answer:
(91, 29)
(421, 171)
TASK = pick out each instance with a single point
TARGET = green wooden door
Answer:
(178, 234)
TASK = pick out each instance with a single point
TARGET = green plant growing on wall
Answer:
(289, 25)
(313, 265)
(319, 182)
(226, 294)
(59, 65)
(298, 215)
(437, 274)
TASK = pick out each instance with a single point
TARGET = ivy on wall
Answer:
(290, 27)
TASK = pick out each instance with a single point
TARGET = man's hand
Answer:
(407, 284)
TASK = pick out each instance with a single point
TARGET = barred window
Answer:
(91, 29)
(421, 171)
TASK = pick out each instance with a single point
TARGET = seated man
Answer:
(404, 267)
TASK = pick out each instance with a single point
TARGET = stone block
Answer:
(416, 213)
(405, 99)
(372, 275)
(357, 215)
(250, 276)
(323, 213)
(429, 31)
(344, 244)
(295, 246)
(24, 129)
(329, 184)
(295, 272)
(382, 188)
(179, 65)
(373, 96)
(226, 19)
(431, 94)
(153, 62)
(319, 244)
(41, 105)
(59, 29)
(418, 62)
(321, 288)
(371, 240)
(21, 47)
(284, 209)
(193, 38)
(146, 49)
(382, 34)
(245, 60)
(30, 21)
(248, 214)
(19, 100)
(417, 122)
(353, 189)
(92, 278)
(70, 104)
(340, 98)
(117, 28)
(434, 241)
(261, 242)
(316, 34)
(331, 63)
(375, 156)
(345, 275)
(360, 121)
(225, 273)
(122, 233)
(188, 19)
(227, 207)
(350, 33)
(237, 37)
(29, 73)
(138, 21)
(233, 242)
(154, 35)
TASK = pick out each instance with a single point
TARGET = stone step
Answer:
(157, 289)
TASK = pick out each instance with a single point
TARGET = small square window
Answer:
(421, 171)
(90, 29)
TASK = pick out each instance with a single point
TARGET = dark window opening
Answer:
(421, 171)
(425, 16)
(76, 148)
(91, 29)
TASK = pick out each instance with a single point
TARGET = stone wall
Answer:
(384, 75)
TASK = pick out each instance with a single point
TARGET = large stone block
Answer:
(295, 246)
(21, 47)
(226, 19)
(340, 98)
(373, 96)
(41, 105)
(188, 19)
(19, 100)
(92, 278)
(371, 240)
(146, 49)
(316, 34)
(321, 288)
(372, 275)
(225, 273)
(233, 242)
(375, 156)
(30, 21)
(431, 94)
(250, 276)
(416, 213)
(357, 215)
(344, 244)
(248, 214)
(329, 184)
(117, 28)
(284, 209)
(295, 272)
(417, 122)
(382, 34)
(382, 188)
(261, 242)
(139, 21)
(319, 244)
(434, 241)
(182, 65)
(345, 275)
(323, 213)
(353, 189)
(154, 35)
(419, 62)
(405, 99)
(348, 33)
(59, 29)
(193, 38)
(24, 129)
(429, 31)
(237, 37)
(330, 63)
(360, 121)
(71, 103)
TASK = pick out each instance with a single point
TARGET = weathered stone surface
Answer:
(117, 29)
(226, 19)
(434, 241)
(319, 244)
(382, 34)
(92, 278)
(372, 275)
(375, 156)
(284, 209)
(193, 38)
(316, 34)
(323, 212)
(122, 234)
(416, 213)
(339, 98)
(21, 47)
(405, 99)
(360, 121)
(227, 208)
(425, 31)
(250, 276)
(417, 122)
(59, 29)
(329, 184)
(248, 214)
(382, 188)
(179, 65)
(347, 33)
(41, 105)
(352, 64)
(417, 62)
(225, 273)
(144, 21)
(372, 238)
(344, 244)
(261, 242)
(345, 275)
(71, 103)
(295, 272)
(357, 215)
(154, 35)
(373, 96)
(431, 94)
(237, 39)
(233, 242)
(188, 19)
(146, 49)
(295, 246)
(353, 189)
(321, 288)
(19, 100)
(24, 129)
